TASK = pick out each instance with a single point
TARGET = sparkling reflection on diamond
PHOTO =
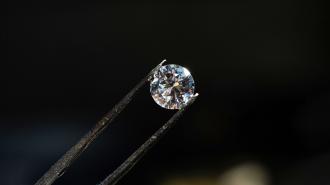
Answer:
(172, 86)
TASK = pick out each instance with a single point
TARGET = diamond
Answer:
(172, 86)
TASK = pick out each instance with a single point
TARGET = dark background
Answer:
(260, 68)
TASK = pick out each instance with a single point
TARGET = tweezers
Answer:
(62, 164)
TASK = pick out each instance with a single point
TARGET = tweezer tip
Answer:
(193, 98)
(162, 62)
(150, 75)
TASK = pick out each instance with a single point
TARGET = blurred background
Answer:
(261, 69)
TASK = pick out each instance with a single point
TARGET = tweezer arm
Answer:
(60, 166)
(126, 166)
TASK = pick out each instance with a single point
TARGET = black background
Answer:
(260, 68)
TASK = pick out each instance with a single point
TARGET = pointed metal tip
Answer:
(155, 69)
(191, 101)
(163, 62)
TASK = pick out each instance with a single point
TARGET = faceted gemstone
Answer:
(172, 86)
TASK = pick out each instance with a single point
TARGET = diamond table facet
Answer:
(172, 86)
